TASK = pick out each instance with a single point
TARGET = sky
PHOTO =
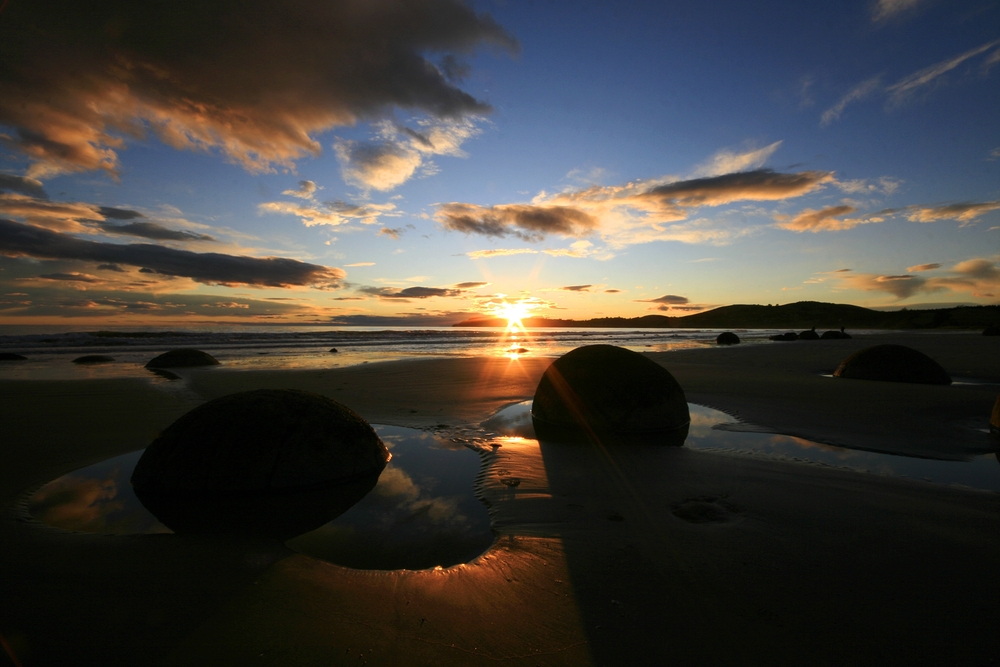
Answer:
(416, 163)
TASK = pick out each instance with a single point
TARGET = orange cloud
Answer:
(821, 220)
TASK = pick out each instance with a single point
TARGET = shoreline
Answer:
(656, 554)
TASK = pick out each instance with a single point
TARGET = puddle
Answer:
(421, 513)
(981, 472)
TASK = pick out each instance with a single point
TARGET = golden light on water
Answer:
(515, 335)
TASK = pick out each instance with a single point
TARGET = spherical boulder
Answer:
(993, 330)
(727, 338)
(333, 350)
(11, 356)
(182, 358)
(611, 395)
(892, 363)
(259, 462)
(93, 359)
(833, 334)
(791, 335)
(809, 334)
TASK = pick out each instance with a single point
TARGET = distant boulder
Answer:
(333, 350)
(809, 335)
(791, 335)
(727, 338)
(892, 363)
(11, 356)
(992, 331)
(93, 359)
(833, 334)
(182, 358)
(612, 395)
(243, 463)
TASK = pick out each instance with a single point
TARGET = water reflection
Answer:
(422, 511)
(981, 472)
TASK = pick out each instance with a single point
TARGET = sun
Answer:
(513, 313)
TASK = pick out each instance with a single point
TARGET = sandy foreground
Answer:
(637, 555)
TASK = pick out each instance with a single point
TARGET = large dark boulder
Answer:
(259, 462)
(182, 358)
(93, 359)
(11, 356)
(892, 363)
(609, 394)
(791, 335)
(727, 338)
(833, 334)
(809, 334)
(992, 330)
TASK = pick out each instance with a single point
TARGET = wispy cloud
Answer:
(964, 212)
(885, 10)
(823, 220)
(306, 190)
(856, 94)
(923, 267)
(500, 252)
(727, 161)
(901, 90)
(331, 213)
(979, 277)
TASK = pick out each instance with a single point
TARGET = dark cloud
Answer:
(822, 220)
(256, 80)
(410, 292)
(22, 185)
(210, 268)
(759, 184)
(668, 299)
(391, 233)
(527, 222)
(576, 288)
(151, 230)
(119, 213)
(402, 320)
(612, 291)
(111, 267)
(472, 285)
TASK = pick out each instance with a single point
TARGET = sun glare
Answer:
(513, 313)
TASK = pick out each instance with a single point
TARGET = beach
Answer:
(631, 555)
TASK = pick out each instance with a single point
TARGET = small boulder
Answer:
(609, 394)
(333, 350)
(833, 334)
(727, 338)
(791, 335)
(892, 363)
(809, 335)
(992, 330)
(93, 359)
(182, 358)
(11, 356)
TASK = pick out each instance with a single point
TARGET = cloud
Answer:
(884, 10)
(726, 162)
(667, 299)
(306, 190)
(210, 268)
(526, 222)
(500, 252)
(471, 285)
(977, 276)
(995, 153)
(923, 267)
(965, 212)
(398, 152)
(905, 87)
(72, 277)
(254, 80)
(637, 212)
(331, 213)
(575, 288)
(411, 292)
(858, 186)
(22, 185)
(856, 94)
(151, 230)
(360, 264)
(822, 220)
(394, 232)
(612, 291)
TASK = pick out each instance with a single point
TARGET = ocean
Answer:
(50, 350)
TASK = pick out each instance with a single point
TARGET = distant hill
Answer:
(798, 316)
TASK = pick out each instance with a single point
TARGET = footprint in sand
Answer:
(706, 509)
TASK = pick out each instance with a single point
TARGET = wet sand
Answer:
(628, 556)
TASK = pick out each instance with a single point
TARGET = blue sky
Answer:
(415, 163)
